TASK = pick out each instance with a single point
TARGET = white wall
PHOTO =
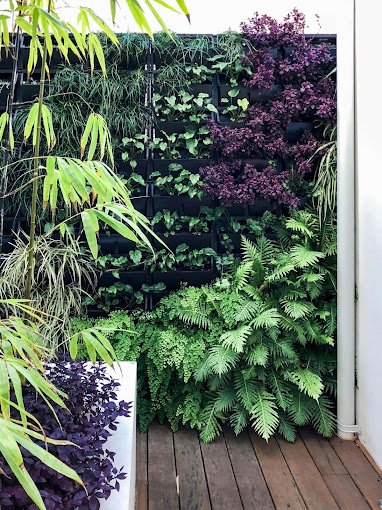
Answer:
(213, 16)
(369, 227)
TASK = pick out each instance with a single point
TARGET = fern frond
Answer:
(248, 309)
(243, 273)
(303, 257)
(281, 271)
(211, 428)
(249, 250)
(265, 249)
(286, 427)
(302, 223)
(301, 408)
(307, 381)
(236, 339)
(266, 318)
(221, 359)
(239, 419)
(282, 348)
(258, 355)
(226, 399)
(196, 316)
(264, 413)
(280, 389)
(297, 308)
(331, 385)
(291, 325)
(203, 370)
(245, 390)
(324, 419)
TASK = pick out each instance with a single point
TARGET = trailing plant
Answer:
(116, 295)
(234, 111)
(91, 417)
(169, 223)
(135, 147)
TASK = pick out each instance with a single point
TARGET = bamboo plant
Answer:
(22, 353)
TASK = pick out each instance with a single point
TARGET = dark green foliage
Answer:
(256, 347)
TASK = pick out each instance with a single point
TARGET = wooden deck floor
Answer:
(178, 472)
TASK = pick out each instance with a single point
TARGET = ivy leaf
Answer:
(211, 108)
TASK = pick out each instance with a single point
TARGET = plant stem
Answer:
(28, 288)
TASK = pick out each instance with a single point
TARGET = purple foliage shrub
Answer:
(307, 95)
(231, 185)
(91, 417)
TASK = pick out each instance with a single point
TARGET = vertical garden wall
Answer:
(227, 145)
(216, 136)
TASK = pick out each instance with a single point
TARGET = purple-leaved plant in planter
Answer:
(282, 54)
(232, 185)
(91, 417)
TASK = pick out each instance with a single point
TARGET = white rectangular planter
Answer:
(123, 440)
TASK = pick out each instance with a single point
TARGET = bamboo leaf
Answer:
(73, 346)
(4, 389)
(12, 455)
(85, 136)
(118, 226)
(47, 458)
(90, 234)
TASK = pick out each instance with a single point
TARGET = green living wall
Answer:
(227, 144)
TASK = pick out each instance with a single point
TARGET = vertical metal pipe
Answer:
(346, 416)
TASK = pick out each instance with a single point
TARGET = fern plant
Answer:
(254, 348)
(273, 366)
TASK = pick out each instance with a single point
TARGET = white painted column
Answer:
(346, 225)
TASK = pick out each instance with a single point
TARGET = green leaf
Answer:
(90, 233)
(211, 108)
(233, 93)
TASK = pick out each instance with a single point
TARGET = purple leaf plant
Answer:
(279, 54)
(90, 418)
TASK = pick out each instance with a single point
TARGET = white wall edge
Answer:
(123, 440)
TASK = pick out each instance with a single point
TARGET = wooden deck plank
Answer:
(141, 470)
(280, 482)
(345, 492)
(312, 487)
(341, 486)
(321, 451)
(161, 469)
(359, 468)
(193, 491)
(223, 490)
(249, 477)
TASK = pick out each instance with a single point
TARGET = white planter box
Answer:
(123, 440)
